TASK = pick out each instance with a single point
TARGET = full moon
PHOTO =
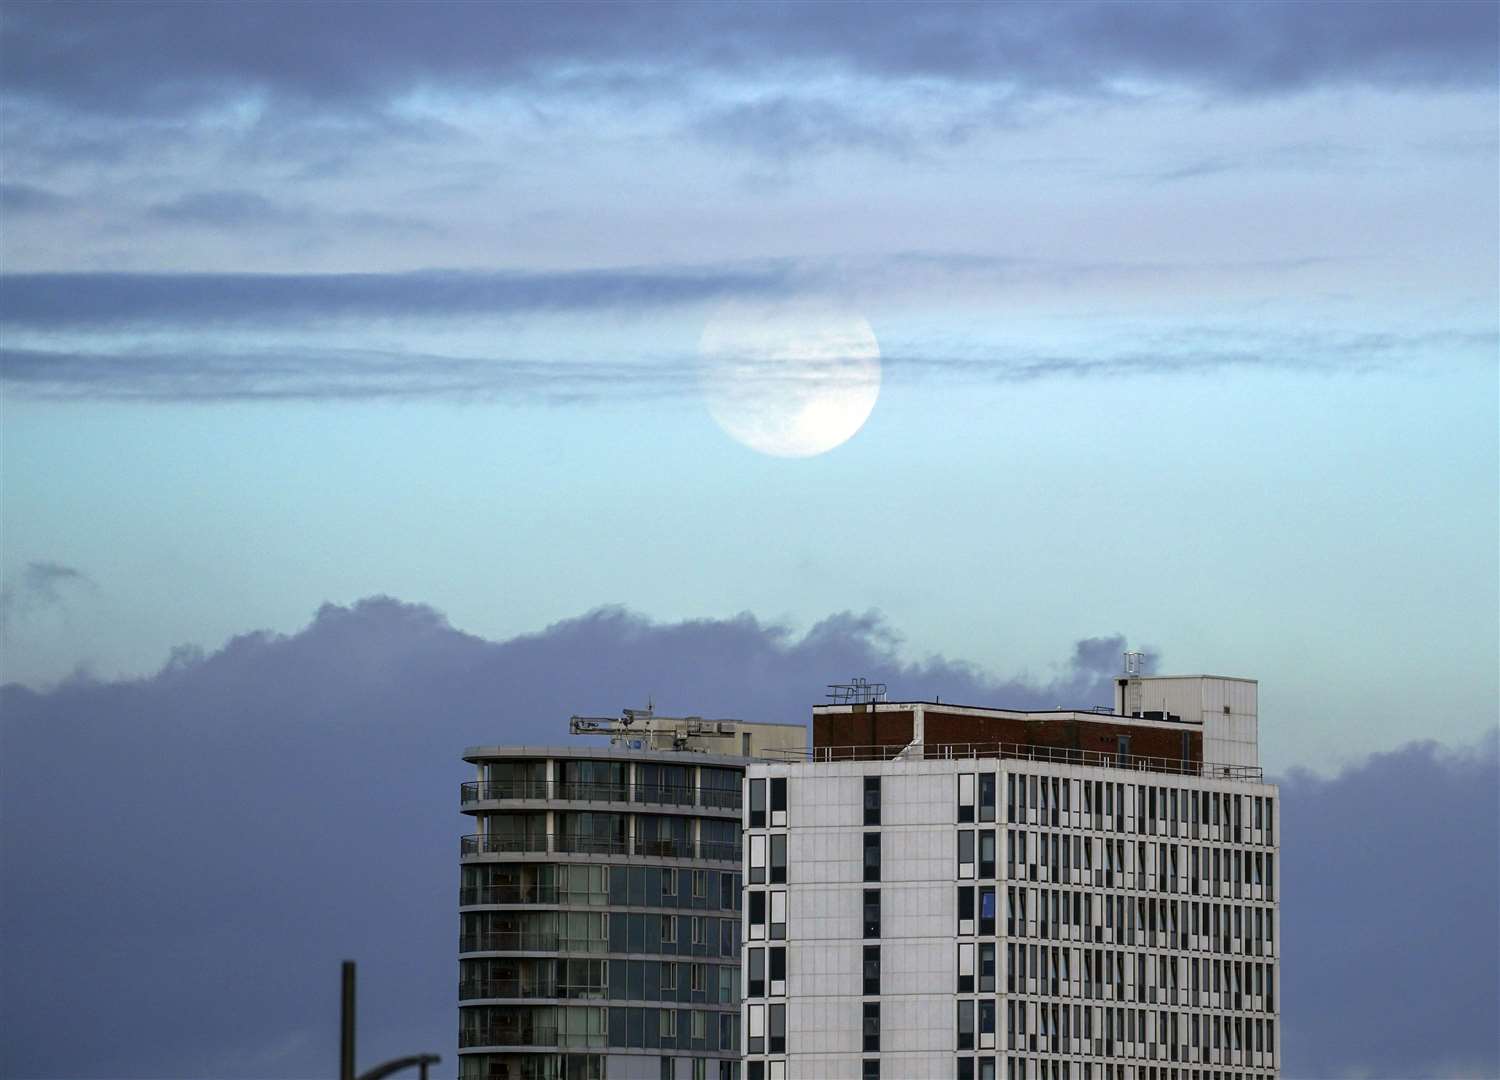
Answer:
(790, 380)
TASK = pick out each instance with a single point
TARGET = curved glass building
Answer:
(599, 910)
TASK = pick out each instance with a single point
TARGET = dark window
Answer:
(965, 1065)
(986, 796)
(966, 1027)
(778, 858)
(1122, 748)
(987, 853)
(872, 913)
(755, 1070)
(757, 804)
(871, 1069)
(757, 986)
(757, 908)
(872, 969)
(872, 800)
(778, 800)
(965, 908)
(872, 856)
(987, 909)
(778, 966)
(776, 1043)
(872, 1027)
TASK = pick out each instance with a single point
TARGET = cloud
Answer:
(52, 301)
(43, 587)
(187, 857)
(211, 373)
(237, 209)
(1391, 881)
(174, 58)
(28, 199)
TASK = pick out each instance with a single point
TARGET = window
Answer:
(668, 978)
(755, 1070)
(666, 1072)
(668, 928)
(986, 796)
(755, 1017)
(966, 1025)
(871, 1027)
(778, 915)
(755, 977)
(966, 909)
(987, 968)
(872, 856)
(700, 884)
(987, 1024)
(669, 882)
(776, 1042)
(965, 797)
(778, 859)
(872, 913)
(778, 972)
(1122, 749)
(987, 909)
(872, 970)
(778, 801)
(667, 1025)
(757, 804)
(757, 859)
(870, 1070)
(987, 853)
(966, 853)
(757, 916)
(965, 967)
(699, 976)
(872, 800)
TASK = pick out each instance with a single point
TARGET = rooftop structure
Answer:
(599, 902)
(947, 891)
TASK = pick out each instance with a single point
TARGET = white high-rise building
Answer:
(947, 892)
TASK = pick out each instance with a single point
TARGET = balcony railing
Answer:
(508, 894)
(507, 1035)
(472, 989)
(645, 794)
(509, 941)
(1057, 755)
(482, 844)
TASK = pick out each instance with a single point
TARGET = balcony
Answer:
(509, 941)
(477, 791)
(474, 989)
(508, 894)
(559, 843)
(508, 1035)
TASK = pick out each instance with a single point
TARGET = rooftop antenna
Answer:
(642, 729)
(857, 691)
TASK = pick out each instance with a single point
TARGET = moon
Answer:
(789, 380)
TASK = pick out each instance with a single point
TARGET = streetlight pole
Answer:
(346, 1041)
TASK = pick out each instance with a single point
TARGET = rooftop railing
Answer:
(669, 848)
(645, 794)
(1055, 755)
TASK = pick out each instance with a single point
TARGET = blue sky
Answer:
(1188, 322)
(1188, 317)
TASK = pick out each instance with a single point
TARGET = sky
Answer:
(1187, 325)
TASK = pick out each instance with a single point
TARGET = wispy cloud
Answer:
(313, 373)
(42, 587)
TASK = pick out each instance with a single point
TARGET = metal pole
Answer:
(346, 1024)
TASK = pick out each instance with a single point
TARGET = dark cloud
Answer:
(238, 209)
(186, 857)
(102, 300)
(178, 56)
(28, 199)
(1390, 942)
